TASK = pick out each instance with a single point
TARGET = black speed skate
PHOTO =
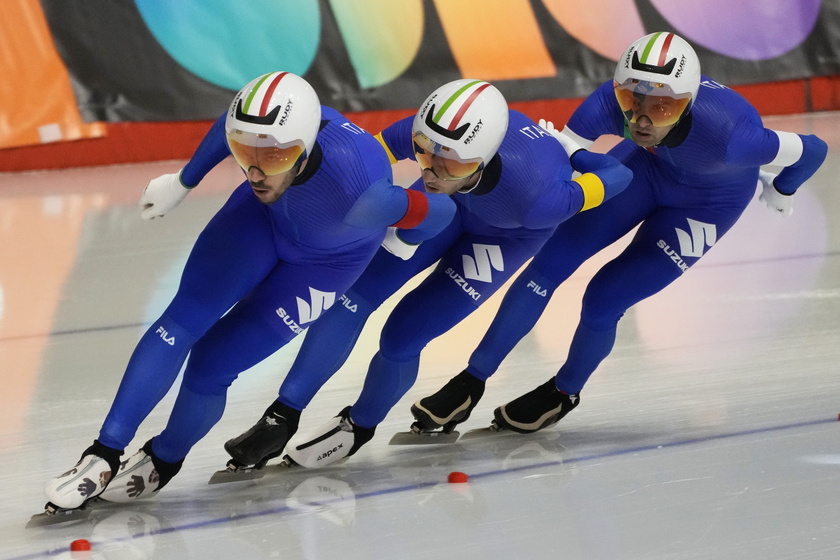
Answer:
(535, 410)
(264, 441)
(437, 415)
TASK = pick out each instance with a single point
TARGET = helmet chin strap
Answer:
(301, 163)
(678, 133)
(469, 188)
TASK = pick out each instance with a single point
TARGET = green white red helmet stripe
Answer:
(274, 78)
(659, 53)
(463, 96)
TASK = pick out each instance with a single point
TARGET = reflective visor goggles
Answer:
(653, 100)
(263, 152)
(442, 161)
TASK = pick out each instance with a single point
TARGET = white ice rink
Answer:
(711, 432)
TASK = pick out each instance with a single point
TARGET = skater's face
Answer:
(441, 168)
(270, 166)
(650, 109)
(269, 188)
(434, 184)
(644, 134)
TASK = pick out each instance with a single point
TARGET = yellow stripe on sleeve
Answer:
(381, 140)
(593, 190)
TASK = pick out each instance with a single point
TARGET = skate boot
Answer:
(335, 440)
(87, 480)
(266, 439)
(535, 410)
(450, 406)
(140, 476)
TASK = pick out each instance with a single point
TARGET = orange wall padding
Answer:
(29, 65)
(146, 141)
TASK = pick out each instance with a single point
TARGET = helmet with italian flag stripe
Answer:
(279, 113)
(465, 119)
(660, 64)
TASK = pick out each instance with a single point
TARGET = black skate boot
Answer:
(266, 439)
(535, 410)
(450, 406)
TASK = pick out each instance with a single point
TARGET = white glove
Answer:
(396, 246)
(775, 201)
(162, 195)
(568, 144)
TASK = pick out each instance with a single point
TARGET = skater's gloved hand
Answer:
(396, 246)
(777, 202)
(162, 195)
(568, 144)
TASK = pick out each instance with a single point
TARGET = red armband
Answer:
(418, 208)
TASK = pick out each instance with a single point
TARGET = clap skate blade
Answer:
(53, 514)
(418, 435)
(493, 429)
(235, 471)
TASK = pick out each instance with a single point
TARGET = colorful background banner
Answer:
(70, 65)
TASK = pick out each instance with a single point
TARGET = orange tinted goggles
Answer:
(441, 160)
(661, 110)
(271, 160)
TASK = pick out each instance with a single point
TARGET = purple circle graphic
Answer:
(742, 29)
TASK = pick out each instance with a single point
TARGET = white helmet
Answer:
(466, 118)
(660, 64)
(279, 110)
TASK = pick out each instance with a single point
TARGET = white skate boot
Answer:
(87, 480)
(141, 476)
(337, 439)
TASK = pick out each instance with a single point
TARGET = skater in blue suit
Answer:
(512, 184)
(699, 148)
(291, 239)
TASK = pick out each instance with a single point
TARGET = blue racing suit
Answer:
(686, 193)
(524, 192)
(259, 274)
